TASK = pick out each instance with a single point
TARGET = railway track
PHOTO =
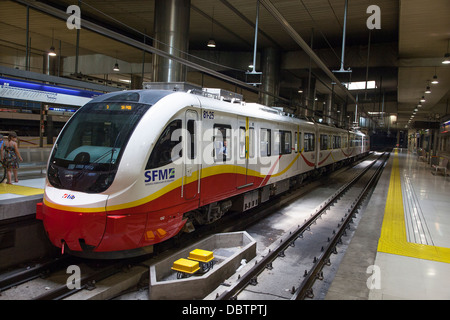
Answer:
(305, 251)
(51, 277)
(50, 280)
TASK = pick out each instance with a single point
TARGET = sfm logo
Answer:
(68, 196)
(159, 175)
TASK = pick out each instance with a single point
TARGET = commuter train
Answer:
(135, 168)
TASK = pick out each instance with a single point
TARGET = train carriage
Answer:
(135, 168)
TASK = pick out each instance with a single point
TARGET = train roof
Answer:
(137, 96)
(212, 99)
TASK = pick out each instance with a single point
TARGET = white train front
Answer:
(134, 168)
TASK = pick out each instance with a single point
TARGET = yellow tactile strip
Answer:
(19, 190)
(393, 232)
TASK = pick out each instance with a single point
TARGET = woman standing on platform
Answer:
(11, 156)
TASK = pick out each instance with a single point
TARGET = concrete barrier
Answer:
(229, 249)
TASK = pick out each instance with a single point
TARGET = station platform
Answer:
(401, 248)
(19, 199)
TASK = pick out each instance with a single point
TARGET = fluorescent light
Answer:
(361, 85)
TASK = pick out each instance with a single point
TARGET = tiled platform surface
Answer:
(25, 187)
(401, 249)
(19, 199)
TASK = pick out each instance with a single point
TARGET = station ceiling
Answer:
(404, 54)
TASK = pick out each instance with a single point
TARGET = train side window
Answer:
(168, 147)
(265, 142)
(345, 142)
(251, 142)
(336, 142)
(277, 142)
(297, 146)
(222, 143)
(192, 151)
(309, 142)
(323, 142)
(242, 142)
(285, 142)
(242, 147)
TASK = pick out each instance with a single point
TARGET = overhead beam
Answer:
(299, 40)
(134, 43)
(205, 15)
(248, 21)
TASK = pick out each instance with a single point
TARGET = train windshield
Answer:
(88, 151)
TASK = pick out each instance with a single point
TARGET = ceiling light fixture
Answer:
(52, 52)
(423, 99)
(446, 58)
(116, 66)
(212, 42)
(447, 55)
(428, 89)
(435, 79)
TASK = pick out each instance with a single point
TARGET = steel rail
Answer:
(86, 282)
(304, 290)
(272, 255)
(15, 279)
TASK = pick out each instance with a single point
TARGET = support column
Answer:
(270, 62)
(171, 35)
(136, 82)
(310, 96)
(328, 112)
(50, 65)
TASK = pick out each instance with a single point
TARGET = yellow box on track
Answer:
(201, 255)
(186, 266)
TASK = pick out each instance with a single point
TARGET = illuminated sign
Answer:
(34, 91)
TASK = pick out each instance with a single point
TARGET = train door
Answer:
(246, 152)
(297, 148)
(191, 160)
